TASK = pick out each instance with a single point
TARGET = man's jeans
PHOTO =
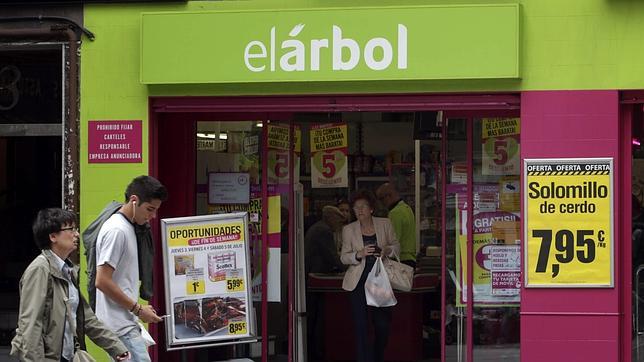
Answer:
(136, 345)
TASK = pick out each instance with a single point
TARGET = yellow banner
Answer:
(329, 137)
(500, 127)
(569, 222)
(278, 137)
(193, 235)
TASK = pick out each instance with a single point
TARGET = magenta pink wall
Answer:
(572, 324)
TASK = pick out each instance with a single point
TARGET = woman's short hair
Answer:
(49, 221)
(365, 195)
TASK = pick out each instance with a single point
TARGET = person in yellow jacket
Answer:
(49, 291)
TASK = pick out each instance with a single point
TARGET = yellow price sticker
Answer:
(234, 284)
(237, 327)
(195, 286)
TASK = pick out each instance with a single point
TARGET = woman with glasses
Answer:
(362, 241)
(54, 317)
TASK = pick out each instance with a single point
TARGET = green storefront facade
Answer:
(575, 67)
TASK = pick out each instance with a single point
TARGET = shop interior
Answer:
(425, 156)
(637, 136)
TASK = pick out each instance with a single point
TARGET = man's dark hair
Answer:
(146, 188)
(364, 195)
(50, 221)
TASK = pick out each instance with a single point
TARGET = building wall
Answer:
(564, 45)
(572, 324)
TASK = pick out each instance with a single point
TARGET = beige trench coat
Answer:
(352, 242)
(41, 320)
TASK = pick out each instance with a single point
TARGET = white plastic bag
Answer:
(377, 288)
(147, 338)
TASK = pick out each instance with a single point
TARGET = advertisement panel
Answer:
(206, 261)
(569, 222)
(255, 210)
(279, 144)
(329, 148)
(500, 146)
(496, 249)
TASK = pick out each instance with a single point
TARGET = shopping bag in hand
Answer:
(401, 276)
(377, 288)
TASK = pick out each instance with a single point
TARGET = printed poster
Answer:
(206, 266)
(500, 142)
(569, 222)
(496, 250)
(249, 158)
(279, 145)
(254, 209)
(329, 148)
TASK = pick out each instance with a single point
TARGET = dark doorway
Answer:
(30, 179)
(31, 159)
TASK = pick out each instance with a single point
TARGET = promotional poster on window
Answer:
(496, 242)
(206, 266)
(279, 144)
(500, 146)
(255, 210)
(329, 149)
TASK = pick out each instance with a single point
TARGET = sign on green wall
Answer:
(390, 43)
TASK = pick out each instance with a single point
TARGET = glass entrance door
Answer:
(481, 249)
(637, 235)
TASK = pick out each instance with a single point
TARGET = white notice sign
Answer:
(228, 188)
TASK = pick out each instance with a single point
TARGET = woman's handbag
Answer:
(377, 288)
(401, 276)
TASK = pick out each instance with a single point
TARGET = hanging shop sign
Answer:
(500, 142)
(496, 248)
(255, 209)
(228, 188)
(279, 145)
(114, 142)
(569, 222)
(206, 262)
(329, 148)
(344, 44)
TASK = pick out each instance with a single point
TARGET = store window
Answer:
(490, 259)
(435, 163)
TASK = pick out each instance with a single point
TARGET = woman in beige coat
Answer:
(49, 291)
(362, 241)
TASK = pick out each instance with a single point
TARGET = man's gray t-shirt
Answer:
(116, 246)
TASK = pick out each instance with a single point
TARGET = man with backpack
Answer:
(145, 245)
(117, 265)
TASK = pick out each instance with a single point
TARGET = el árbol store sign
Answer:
(569, 222)
(347, 44)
